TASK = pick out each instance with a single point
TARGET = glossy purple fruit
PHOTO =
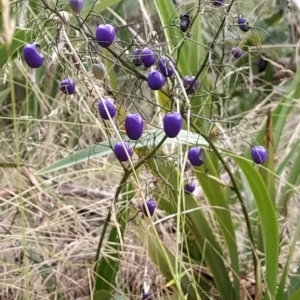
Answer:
(147, 296)
(243, 24)
(110, 105)
(33, 56)
(151, 207)
(105, 35)
(76, 5)
(259, 154)
(217, 2)
(67, 86)
(134, 126)
(196, 156)
(147, 57)
(237, 53)
(136, 57)
(166, 66)
(155, 80)
(122, 152)
(172, 124)
(189, 188)
(185, 22)
(188, 81)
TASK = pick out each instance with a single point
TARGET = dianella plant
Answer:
(193, 94)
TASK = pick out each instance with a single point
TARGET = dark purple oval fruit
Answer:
(105, 35)
(259, 154)
(147, 296)
(33, 56)
(185, 22)
(172, 124)
(67, 86)
(217, 2)
(196, 156)
(147, 57)
(187, 83)
(189, 188)
(151, 208)
(122, 152)
(134, 126)
(136, 57)
(243, 24)
(155, 80)
(76, 5)
(166, 66)
(109, 102)
(237, 53)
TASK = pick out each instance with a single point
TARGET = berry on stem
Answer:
(243, 24)
(99, 70)
(196, 156)
(122, 152)
(237, 53)
(188, 81)
(134, 126)
(136, 57)
(147, 295)
(185, 22)
(76, 5)
(259, 154)
(147, 57)
(172, 124)
(67, 86)
(33, 56)
(155, 80)
(151, 208)
(109, 102)
(166, 66)
(189, 188)
(105, 35)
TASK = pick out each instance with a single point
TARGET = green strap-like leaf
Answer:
(267, 219)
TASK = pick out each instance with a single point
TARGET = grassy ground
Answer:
(50, 225)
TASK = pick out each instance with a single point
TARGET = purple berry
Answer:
(136, 57)
(155, 80)
(33, 56)
(172, 124)
(67, 86)
(237, 53)
(196, 156)
(76, 5)
(217, 2)
(134, 126)
(147, 57)
(151, 208)
(243, 24)
(166, 66)
(147, 296)
(189, 188)
(110, 107)
(185, 22)
(122, 152)
(188, 81)
(105, 35)
(259, 154)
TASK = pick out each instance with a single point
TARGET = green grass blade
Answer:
(284, 276)
(98, 7)
(195, 222)
(216, 197)
(149, 138)
(109, 266)
(267, 219)
(288, 191)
